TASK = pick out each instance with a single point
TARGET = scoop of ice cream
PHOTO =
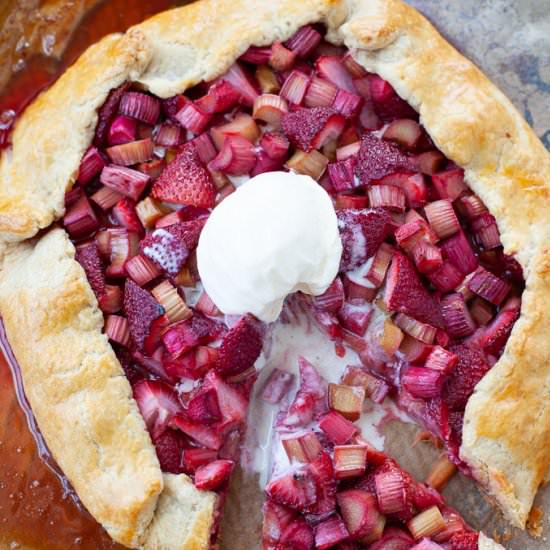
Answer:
(276, 234)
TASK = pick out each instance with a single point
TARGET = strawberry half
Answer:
(378, 158)
(212, 476)
(158, 404)
(311, 128)
(185, 180)
(169, 247)
(362, 232)
(141, 309)
(406, 293)
(240, 348)
(471, 368)
(87, 256)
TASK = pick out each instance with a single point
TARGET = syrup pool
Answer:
(38, 508)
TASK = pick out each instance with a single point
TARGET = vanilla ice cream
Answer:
(276, 234)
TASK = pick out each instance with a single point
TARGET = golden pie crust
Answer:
(75, 385)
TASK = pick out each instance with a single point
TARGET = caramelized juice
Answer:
(38, 508)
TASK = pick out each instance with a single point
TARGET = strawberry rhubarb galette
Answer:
(185, 188)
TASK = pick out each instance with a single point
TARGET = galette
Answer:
(189, 190)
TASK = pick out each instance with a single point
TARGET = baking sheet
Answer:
(510, 41)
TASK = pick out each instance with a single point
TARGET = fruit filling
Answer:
(332, 489)
(425, 295)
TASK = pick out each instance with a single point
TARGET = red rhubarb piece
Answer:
(330, 532)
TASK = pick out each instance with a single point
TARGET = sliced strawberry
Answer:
(323, 472)
(185, 180)
(193, 458)
(204, 435)
(310, 400)
(184, 336)
(378, 158)
(169, 447)
(221, 96)
(154, 338)
(141, 309)
(214, 475)
(297, 489)
(158, 404)
(495, 335)
(406, 293)
(362, 232)
(240, 347)
(88, 257)
(182, 367)
(203, 407)
(311, 128)
(460, 384)
(432, 414)
(169, 247)
(232, 403)
(125, 214)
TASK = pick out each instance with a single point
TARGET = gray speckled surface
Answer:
(510, 41)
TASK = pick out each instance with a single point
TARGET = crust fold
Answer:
(77, 390)
(507, 422)
(55, 131)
